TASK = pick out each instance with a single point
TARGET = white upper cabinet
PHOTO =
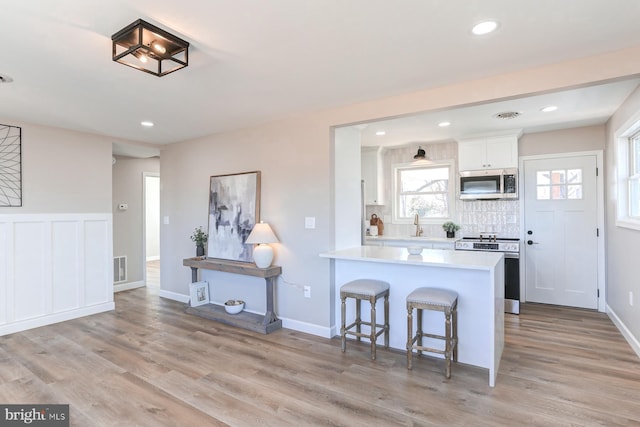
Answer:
(488, 153)
(372, 175)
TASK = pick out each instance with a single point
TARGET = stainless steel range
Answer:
(489, 242)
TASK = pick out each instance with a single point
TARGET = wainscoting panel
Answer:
(66, 272)
(54, 267)
(31, 263)
(4, 272)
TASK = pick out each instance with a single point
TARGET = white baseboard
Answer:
(308, 328)
(126, 286)
(55, 318)
(626, 333)
(174, 296)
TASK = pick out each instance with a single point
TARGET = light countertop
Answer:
(475, 260)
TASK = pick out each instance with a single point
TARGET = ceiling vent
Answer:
(506, 115)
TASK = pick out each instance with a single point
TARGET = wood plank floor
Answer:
(150, 364)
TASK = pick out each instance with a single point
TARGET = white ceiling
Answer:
(585, 106)
(254, 61)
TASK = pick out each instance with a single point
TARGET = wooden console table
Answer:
(263, 324)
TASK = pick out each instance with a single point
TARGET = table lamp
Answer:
(262, 235)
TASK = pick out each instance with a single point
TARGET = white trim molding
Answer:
(626, 333)
(54, 267)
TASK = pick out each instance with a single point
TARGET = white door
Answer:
(561, 242)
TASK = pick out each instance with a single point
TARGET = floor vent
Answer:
(119, 269)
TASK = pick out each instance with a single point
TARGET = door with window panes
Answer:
(561, 241)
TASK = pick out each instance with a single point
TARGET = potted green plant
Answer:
(451, 228)
(200, 238)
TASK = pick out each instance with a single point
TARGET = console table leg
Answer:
(270, 315)
(194, 274)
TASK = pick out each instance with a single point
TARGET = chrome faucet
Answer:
(416, 222)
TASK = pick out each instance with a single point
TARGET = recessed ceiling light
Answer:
(444, 124)
(381, 133)
(147, 123)
(484, 28)
(549, 109)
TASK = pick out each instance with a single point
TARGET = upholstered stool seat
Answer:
(370, 290)
(435, 299)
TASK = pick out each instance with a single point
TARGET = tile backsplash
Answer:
(473, 216)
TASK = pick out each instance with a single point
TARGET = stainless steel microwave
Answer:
(489, 184)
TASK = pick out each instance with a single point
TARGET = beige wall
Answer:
(622, 243)
(128, 225)
(295, 157)
(588, 138)
(63, 171)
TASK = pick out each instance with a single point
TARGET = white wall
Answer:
(129, 225)
(56, 250)
(63, 171)
(586, 138)
(295, 157)
(623, 271)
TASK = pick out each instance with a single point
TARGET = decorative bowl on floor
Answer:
(415, 250)
(234, 306)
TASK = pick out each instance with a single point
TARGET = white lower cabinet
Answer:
(425, 244)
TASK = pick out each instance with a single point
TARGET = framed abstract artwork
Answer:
(234, 208)
(10, 166)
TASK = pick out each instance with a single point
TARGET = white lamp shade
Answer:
(262, 235)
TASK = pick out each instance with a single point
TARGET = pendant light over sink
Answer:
(421, 156)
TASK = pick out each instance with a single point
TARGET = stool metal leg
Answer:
(455, 334)
(358, 319)
(343, 331)
(419, 331)
(409, 335)
(386, 320)
(372, 331)
(447, 345)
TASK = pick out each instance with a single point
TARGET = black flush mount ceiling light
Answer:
(150, 49)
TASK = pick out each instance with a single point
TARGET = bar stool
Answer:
(436, 299)
(371, 290)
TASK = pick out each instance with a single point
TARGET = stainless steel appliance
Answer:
(511, 248)
(489, 184)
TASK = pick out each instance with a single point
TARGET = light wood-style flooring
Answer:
(150, 364)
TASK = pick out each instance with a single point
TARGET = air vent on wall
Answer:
(506, 115)
(120, 269)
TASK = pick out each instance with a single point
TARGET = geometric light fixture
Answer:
(150, 49)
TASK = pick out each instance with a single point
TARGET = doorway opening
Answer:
(151, 187)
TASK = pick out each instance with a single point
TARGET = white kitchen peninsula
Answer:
(477, 277)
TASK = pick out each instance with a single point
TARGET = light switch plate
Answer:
(310, 222)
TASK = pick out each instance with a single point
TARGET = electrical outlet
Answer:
(307, 291)
(631, 298)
